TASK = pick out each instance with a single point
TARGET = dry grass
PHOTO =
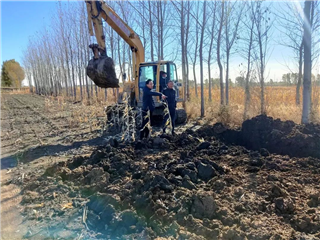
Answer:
(280, 103)
(81, 113)
(279, 100)
(9, 90)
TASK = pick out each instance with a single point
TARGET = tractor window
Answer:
(147, 72)
(174, 78)
(173, 73)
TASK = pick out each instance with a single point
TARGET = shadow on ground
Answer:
(32, 154)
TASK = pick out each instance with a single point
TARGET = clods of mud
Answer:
(285, 138)
(191, 186)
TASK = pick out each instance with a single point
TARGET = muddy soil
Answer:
(37, 132)
(200, 184)
(181, 188)
(285, 138)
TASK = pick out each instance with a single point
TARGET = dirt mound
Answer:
(262, 132)
(185, 187)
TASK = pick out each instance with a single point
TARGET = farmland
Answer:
(62, 178)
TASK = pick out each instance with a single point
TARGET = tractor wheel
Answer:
(115, 114)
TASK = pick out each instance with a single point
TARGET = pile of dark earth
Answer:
(258, 182)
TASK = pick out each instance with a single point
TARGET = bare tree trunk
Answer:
(196, 54)
(262, 24)
(201, 56)
(80, 80)
(263, 111)
(195, 79)
(87, 88)
(186, 55)
(86, 55)
(91, 89)
(183, 59)
(307, 64)
(119, 57)
(233, 15)
(151, 30)
(247, 81)
(227, 76)
(158, 31)
(211, 48)
(299, 74)
(219, 55)
(72, 72)
(162, 9)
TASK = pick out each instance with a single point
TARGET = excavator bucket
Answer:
(102, 72)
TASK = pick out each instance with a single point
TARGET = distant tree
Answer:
(12, 74)
(286, 78)
(271, 82)
(240, 81)
(290, 78)
(5, 80)
(294, 78)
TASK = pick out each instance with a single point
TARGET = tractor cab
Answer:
(155, 71)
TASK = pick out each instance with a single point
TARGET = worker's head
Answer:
(149, 83)
(164, 75)
(170, 84)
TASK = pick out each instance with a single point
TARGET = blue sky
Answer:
(22, 19)
(19, 21)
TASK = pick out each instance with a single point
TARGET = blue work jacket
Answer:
(171, 97)
(147, 100)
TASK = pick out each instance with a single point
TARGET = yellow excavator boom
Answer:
(101, 64)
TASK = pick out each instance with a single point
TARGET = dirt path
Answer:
(11, 221)
(35, 132)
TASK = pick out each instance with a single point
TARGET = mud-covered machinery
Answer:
(101, 68)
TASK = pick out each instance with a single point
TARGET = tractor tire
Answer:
(113, 111)
(181, 116)
(114, 115)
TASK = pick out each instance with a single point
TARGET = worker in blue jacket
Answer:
(172, 105)
(163, 80)
(148, 105)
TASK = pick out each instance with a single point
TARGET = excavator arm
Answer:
(101, 68)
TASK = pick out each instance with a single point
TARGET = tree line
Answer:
(191, 33)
